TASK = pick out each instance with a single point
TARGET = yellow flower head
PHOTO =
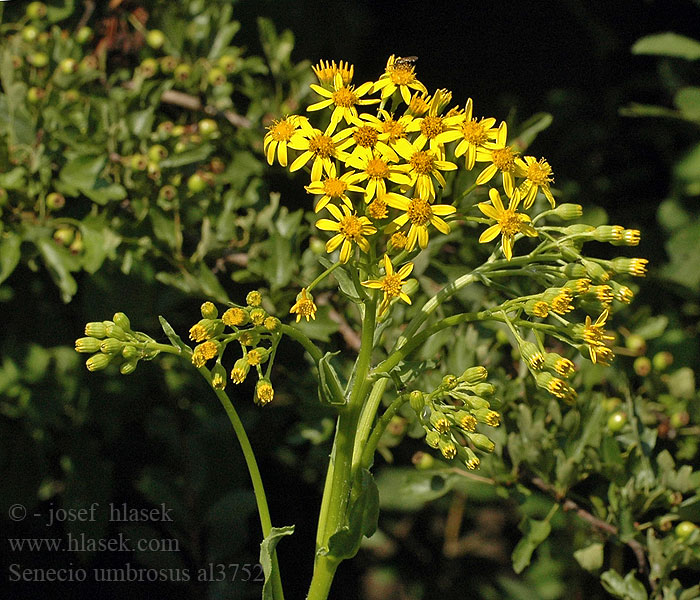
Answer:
(595, 337)
(264, 393)
(538, 175)
(420, 213)
(321, 146)
(501, 157)
(399, 74)
(391, 284)
(235, 317)
(304, 306)
(508, 224)
(278, 136)
(333, 188)
(473, 134)
(326, 71)
(376, 170)
(351, 230)
(435, 130)
(423, 166)
(344, 97)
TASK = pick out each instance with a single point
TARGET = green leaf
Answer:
(140, 122)
(174, 338)
(535, 532)
(530, 128)
(344, 281)
(652, 327)
(14, 179)
(187, 158)
(362, 520)
(684, 251)
(330, 390)
(59, 262)
(278, 268)
(100, 242)
(9, 255)
(406, 489)
(668, 44)
(223, 36)
(104, 192)
(590, 558)
(688, 102)
(82, 172)
(682, 383)
(688, 168)
(635, 109)
(267, 548)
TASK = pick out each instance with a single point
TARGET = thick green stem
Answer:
(254, 471)
(379, 428)
(364, 425)
(337, 493)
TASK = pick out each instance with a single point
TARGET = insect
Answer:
(405, 61)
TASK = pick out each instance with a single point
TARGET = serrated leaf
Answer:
(9, 254)
(267, 549)
(174, 338)
(668, 44)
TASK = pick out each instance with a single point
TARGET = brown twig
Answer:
(569, 505)
(193, 103)
(87, 13)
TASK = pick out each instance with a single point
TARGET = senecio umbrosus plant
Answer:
(379, 182)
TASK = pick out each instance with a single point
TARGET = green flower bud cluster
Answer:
(451, 413)
(255, 331)
(115, 342)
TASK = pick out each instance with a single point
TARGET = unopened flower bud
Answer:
(432, 438)
(474, 402)
(218, 376)
(484, 389)
(264, 392)
(474, 375)
(630, 237)
(111, 346)
(121, 320)
(470, 459)
(488, 416)
(537, 308)
(116, 332)
(562, 366)
(448, 449)
(568, 211)
(87, 345)
(209, 311)
(580, 229)
(439, 421)
(128, 367)
(575, 270)
(608, 233)
(235, 317)
(271, 323)
(97, 362)
(95, 329)
(631, 266)
(130, 352)
(253, 298)
(417, 401)
(481, 442)
(240, 370)
(595, 271)
(258, 316)
(449, 382)
(257, 356)
(532, 354)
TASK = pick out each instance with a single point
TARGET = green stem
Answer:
(379, 428)
(364, 425)
(337, 493)
(254, 471)
(307, 344)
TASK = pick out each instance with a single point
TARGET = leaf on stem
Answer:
(267, 549)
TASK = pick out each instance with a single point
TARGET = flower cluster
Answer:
(452, 414)
(252, 328)
(114, 342)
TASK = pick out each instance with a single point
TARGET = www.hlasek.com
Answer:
(213, 572)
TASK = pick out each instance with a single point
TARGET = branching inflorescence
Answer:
(384, 188)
